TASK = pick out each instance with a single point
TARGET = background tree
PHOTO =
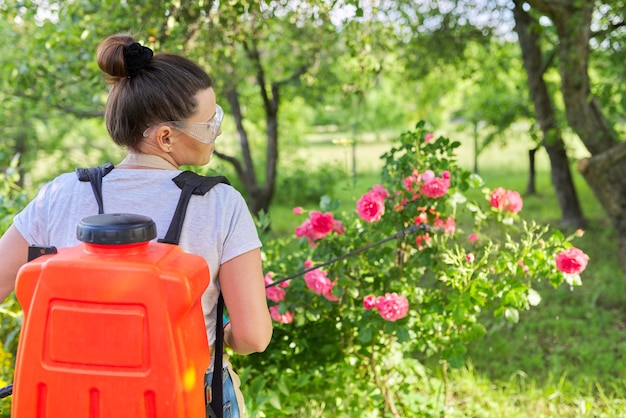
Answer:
(604, 171)
(275, 46)
(527, 30)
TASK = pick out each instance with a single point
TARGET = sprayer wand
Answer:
(399, 234)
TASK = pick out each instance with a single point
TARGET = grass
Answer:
(567, 356)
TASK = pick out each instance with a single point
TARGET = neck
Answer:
(146, 161)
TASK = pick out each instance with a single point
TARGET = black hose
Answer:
(6, 391)
(399, 234)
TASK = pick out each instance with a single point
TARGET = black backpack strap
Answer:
(190, 183)
(217, 395)
(94, 176)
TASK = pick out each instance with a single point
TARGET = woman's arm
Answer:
(14, 254)
(243, 287)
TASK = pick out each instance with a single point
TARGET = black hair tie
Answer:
(136, 57)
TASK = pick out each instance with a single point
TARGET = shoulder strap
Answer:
(217, 389)
(189, 183)
(94, 176)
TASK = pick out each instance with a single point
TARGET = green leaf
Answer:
(476, 331)
(275, 402)
(403, 335)
(475, 181)
(365, 335)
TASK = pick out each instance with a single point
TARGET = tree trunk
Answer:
(605, 170)
(258, 196)
(571, 213)
(530, 188)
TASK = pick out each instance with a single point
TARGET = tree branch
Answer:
(232, 160)
(67, 109)
(600, 163)
(253, 53)
(296, 75)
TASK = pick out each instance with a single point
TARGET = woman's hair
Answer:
(146, 89)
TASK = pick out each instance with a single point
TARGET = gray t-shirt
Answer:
(218, 225)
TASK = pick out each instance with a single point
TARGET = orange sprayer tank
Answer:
(113, 327)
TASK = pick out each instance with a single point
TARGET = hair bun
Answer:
(136, 57)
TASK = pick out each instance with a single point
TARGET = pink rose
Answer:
(435, 188)
(469, 257)
(275, 294)
(571, 261)
(414, 178)
(448, 226)
(515, 203)
(318, 226)
(370, 207)
(497, 197)
(298, 210)
(318, 281)
(506, 200)
(305, 229)
(422, 218)
(369, 302)
(422, 241)
(287, 318)
(338, 227)
(429, 175)
(328, 294)
(472, 237)
(380, 191)
(392, 307)
(428, 137)
(321, 223)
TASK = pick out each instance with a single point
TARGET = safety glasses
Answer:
(205, 132)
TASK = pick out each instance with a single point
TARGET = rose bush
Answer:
(451, 251)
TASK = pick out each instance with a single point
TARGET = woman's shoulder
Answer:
(61, 182)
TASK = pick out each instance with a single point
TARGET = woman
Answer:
(162, 109)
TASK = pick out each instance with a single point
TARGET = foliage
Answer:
(347, 321)
(295, 182)
(12, 199)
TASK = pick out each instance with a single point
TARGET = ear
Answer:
(164, 138)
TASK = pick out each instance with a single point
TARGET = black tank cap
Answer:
(116, 228)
